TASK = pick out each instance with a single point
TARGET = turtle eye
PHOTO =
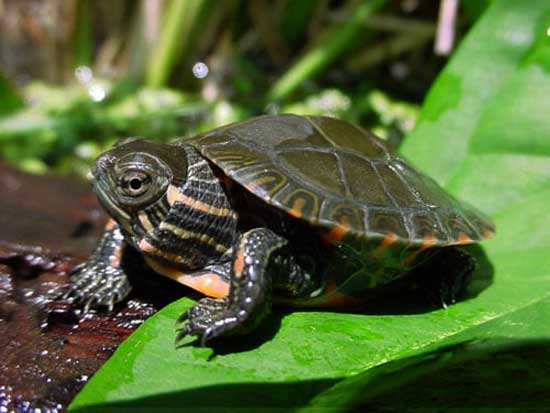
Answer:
(135, 183)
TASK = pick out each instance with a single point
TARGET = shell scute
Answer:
(342, 179)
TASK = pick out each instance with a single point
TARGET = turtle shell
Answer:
(342, 178)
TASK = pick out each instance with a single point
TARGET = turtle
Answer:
(308, 211)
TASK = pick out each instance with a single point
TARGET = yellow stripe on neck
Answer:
(173, 195)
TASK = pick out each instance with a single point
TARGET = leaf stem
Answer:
(337, 41)
(10, 100)
(180, 21)
(83, 47)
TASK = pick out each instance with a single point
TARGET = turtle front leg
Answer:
(100, 281)
(261, 262)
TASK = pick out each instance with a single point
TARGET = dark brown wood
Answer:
(47, 225)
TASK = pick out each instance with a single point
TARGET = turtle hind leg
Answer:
(260, 263)
(444, 277)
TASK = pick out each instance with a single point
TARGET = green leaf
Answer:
(483, 133)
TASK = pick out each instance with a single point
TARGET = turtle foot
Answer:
(448, 277)
(95, 285)
(208, 319)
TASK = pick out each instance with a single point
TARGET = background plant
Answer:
(77, 75)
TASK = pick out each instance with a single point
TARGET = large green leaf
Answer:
(484, 133)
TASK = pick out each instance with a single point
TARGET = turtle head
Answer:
(135, 175)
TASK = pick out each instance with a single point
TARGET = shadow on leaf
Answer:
(241, 397)
(236, 344)
(500, 373)
(494, 373)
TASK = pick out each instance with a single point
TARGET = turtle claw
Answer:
(207, 336)
(182, 333)
(88, 306)
(182, 318)
(68, 295)
(96, 285)
(77, 268)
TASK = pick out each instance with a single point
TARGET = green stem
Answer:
(83, 43)
(386, 50)
(180, 21)
(10, 100)
(338, 41)
(400, 25)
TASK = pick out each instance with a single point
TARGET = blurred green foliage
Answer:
(93, 72)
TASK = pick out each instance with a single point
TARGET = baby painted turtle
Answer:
(310, 211)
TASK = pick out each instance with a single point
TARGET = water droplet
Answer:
(200, 70)
(97, 93)
(83, 74)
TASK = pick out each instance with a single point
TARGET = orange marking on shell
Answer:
(389, 239)
(463, 239)
(338, 232)
(428, 242)
(110, 224)
(207, 283)
(487, 233)
(335, 234)
(297, 207)
(260, 181)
